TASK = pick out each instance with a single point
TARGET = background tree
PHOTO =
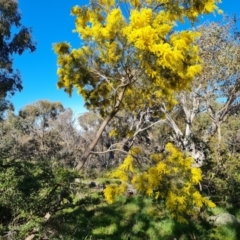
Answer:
(214, 94)
(41, 130)
(37, 118)
(11, 135)
(220, 79)
(10, 44)
(68, 136)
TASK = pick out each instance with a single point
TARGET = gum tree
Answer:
(215, 92)
(36, 118)
(10, 44)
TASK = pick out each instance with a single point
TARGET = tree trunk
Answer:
(219, 133)
(88, 151)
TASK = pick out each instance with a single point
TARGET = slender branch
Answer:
(151, 125)
(109, 150)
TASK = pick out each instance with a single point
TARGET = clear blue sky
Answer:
(51, 22)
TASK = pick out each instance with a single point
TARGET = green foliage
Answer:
(231, 133)
(126, 218)
(222, 177)
(10, 79)
(224, 232)
(131, 217)
(28, 191)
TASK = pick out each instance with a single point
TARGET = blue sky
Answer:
(51, 22)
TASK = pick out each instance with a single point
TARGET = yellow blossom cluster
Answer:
(115, 190)
(170, 177)
(149, 32)
(122, 173)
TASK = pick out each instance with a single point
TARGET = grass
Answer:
(130, 218)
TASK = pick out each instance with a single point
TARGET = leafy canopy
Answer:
(10, 44)
(131, 45)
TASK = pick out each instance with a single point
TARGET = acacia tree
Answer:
(10, 79)
(131, 56)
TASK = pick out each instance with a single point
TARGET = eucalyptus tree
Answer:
(10, 45)
(36, 119)
(214, 94)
